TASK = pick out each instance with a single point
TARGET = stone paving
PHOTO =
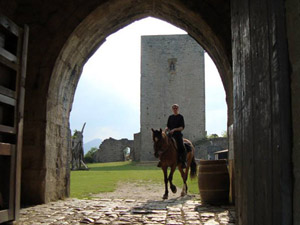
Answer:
(177, 211)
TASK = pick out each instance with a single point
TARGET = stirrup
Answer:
(159, 164)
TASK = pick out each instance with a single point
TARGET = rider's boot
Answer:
(159, 164)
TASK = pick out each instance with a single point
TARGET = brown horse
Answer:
(165, 149)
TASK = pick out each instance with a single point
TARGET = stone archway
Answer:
(261, 91)
(57, 52)
(91, 33)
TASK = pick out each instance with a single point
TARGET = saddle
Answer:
(188, 147)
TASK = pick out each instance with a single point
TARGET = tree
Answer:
(89, 156)
(212, 136)
(75, 134)
(224, 133)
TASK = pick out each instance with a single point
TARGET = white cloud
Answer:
(215, 99)
(103, 133)
(216, 121)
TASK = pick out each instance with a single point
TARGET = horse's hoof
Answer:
(174, 189)
(165, 197)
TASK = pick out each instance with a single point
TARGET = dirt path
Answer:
(138, 190)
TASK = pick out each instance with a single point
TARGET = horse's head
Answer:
(157, 137)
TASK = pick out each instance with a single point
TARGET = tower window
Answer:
(172, 64)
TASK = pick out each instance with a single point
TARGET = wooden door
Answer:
(13, 51)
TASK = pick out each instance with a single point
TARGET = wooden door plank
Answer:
(7, 100)
(21, 103)
(236, 56)
(8, 63)
(12, 182)
(4, 216)
(6, 54)
(282, 164)
(9, 25)
(262, 116)
(6, 149)
(7, 129)
(7, 92)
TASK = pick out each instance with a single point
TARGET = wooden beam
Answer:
(12, 187)
(7, 129)
(4, 216)
(9, 25)
(7, 92)
(8, 63)
(21, 104)
(7, 100)
(9, 56)
(6, 149)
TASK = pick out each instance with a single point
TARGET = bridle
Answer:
(159, 145)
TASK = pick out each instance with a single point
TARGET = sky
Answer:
(107, 96)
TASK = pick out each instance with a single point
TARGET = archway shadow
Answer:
(151, 206)
(187, 208)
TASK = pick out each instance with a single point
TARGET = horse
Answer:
(165, 148)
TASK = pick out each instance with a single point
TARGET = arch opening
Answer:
(101, 99)
(82, 43)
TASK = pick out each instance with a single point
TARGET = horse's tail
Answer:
(193, 172)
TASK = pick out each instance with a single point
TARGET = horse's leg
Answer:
(184, 179)
(165, 170)
(185, 174)
(172, 186)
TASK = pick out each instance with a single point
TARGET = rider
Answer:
(174, 126)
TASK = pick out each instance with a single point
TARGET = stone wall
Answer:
(112, 150)
(205, 148)
(172, 71)
(135, 154)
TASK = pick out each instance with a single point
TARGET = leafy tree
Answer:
(212, 136)
(89, 156)
(75, 134)
(224, 133)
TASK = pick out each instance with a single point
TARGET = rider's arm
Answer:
(177, 129)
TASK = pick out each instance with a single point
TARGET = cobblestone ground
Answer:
(177, 211)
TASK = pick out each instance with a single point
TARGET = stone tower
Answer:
(172, 71)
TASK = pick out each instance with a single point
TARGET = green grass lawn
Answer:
(103, 177)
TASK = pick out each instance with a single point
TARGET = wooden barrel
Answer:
(213, 181)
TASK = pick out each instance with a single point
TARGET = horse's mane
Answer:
(165, 137)
(162, 143)
(169, 141)
(165, 146)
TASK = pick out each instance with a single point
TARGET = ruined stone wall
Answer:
(204, 149)
(172, 71)
(112, 150)
(137, 147)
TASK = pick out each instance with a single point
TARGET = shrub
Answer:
(89, 156)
